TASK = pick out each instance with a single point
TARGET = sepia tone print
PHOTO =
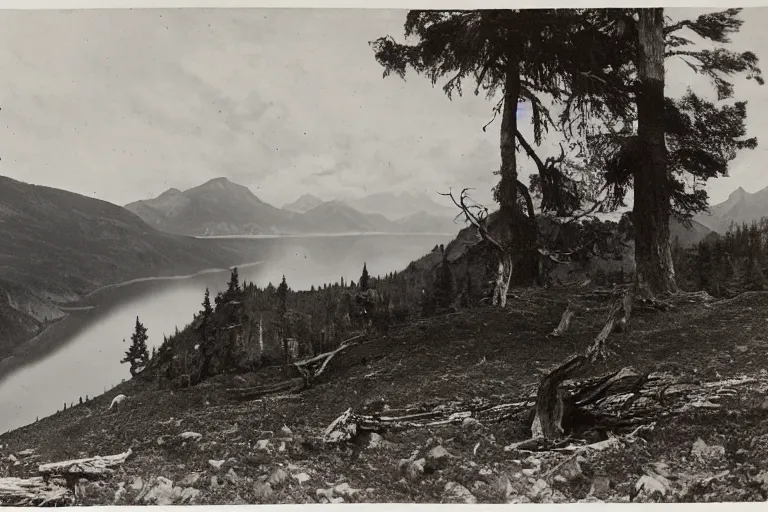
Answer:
(256, 256)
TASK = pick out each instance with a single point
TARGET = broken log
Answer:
(55, 485)
(90, 468)
(309, 369)
(256, 392)
(618, 401)
(565, 322)
(33, 491)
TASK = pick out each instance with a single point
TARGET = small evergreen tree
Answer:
(444, 284)
(364, 278)
(207, 311)
(137, 354)
(234, 282)
(282, 298)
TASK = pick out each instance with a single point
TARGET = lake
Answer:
(87, 345)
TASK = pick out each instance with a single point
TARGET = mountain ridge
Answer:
(59, 246)
(220, 207)
(740, 207)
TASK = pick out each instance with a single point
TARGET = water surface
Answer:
(87, 345)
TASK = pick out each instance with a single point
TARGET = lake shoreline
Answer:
(38, 346)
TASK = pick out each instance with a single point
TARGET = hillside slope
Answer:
(268, 451)
(58, 246)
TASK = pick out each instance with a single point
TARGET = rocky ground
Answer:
(198, 446)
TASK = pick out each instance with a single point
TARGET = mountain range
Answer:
(59, 246)
(221, 207)
(740, 207)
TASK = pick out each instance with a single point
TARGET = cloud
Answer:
(124, 104)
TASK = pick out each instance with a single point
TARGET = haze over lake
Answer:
(86, 346)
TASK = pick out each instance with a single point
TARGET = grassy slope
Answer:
(484, 352)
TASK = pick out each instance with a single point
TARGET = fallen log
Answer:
(309, 369)
(34, 491)
(253, 393)
(55, 485)
(90, 468)
(619, 401)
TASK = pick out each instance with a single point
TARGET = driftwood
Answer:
(619, 401)
(56, 483)
(309, 369)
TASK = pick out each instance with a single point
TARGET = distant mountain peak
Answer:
(304, 203)
(170, 192)
(738, 193)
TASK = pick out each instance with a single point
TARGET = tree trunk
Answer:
(653, 256)
(508, 183)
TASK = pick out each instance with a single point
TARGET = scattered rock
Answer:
(529, 471)
(560, 479)
(485, 472)
(281, 448)
(437, 458)
(216, 464)
(460, 493)
(257, 459)
(191, 479)
(502, 487)
(233, 478)
(705, 452)
(345, 490)
(263, 490)
(11, 458)
(540, 490)
(189, 495)
(163, 492)
(471, 423)
(215, 483)
(277, 477)
(601, 487)
(191, 435)
(648, 485)
(302, 478)
(137, 484)
(325, 495)
(571, 469)
(26, 453)
(375, 441)
(285, 431)
(119, 493)
(264, 445)
(761, 479)
(412, 469)
(337, 500)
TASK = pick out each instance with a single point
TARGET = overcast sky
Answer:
(124, 104)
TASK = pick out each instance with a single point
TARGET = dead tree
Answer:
(309, 370)
(477, 216)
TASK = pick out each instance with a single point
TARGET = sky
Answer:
(124, 104)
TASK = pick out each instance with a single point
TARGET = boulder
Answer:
(459, 493)
(262, 490)
(437, 458)
(704, 452)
